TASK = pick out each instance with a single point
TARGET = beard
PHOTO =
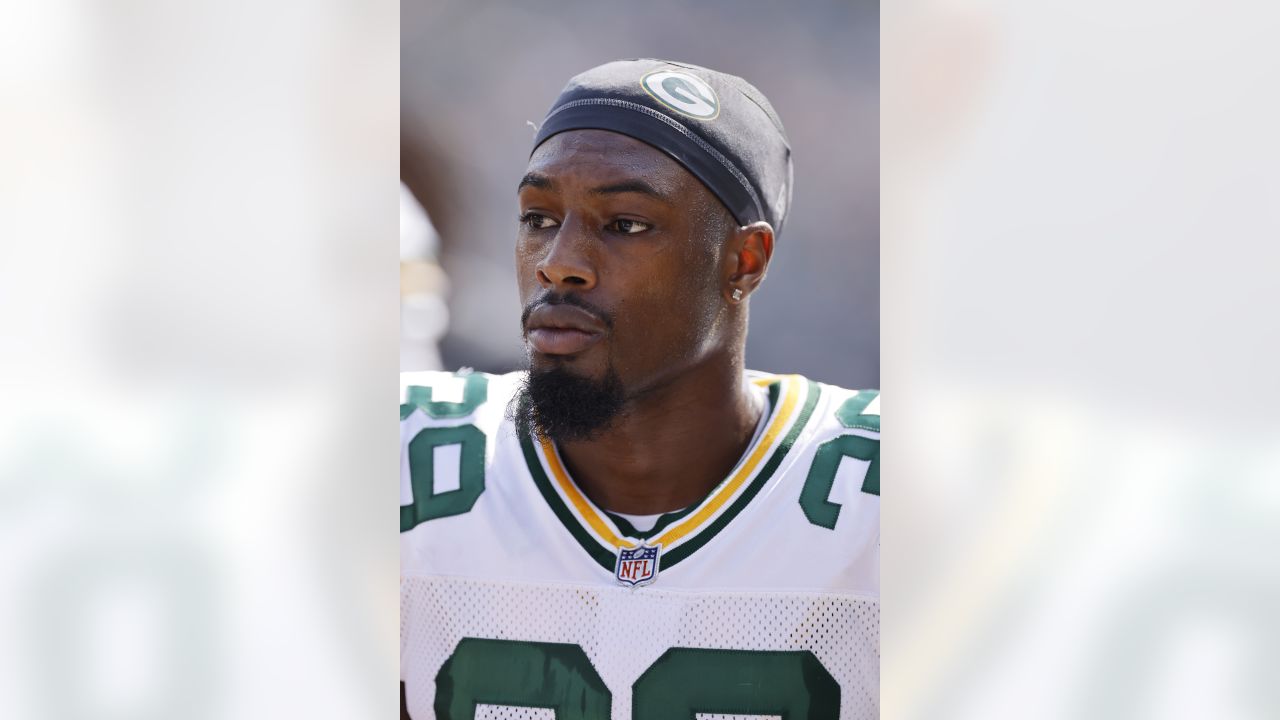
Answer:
(558, 405)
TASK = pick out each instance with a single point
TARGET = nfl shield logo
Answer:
(637, 565)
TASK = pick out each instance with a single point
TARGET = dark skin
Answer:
(631, 232)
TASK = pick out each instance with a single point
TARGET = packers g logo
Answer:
(682, 92)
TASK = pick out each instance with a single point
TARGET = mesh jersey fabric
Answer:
(511, 606)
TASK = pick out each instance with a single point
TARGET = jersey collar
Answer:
(791, 402)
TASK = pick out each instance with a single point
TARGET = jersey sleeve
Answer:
(841, 479)
(445, 419)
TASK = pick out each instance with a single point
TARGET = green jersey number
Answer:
(475, 390)
(815, 496)
(684, 681)
(428, 504)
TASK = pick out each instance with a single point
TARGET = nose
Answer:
(568, 264)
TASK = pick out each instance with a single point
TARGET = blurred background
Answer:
(198, 298)
(476, 76)
(1079, 283)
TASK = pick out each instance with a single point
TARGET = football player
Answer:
(638, 526)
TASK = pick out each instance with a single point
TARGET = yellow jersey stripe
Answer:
(601, 527)
(580, 503)
(790, 395)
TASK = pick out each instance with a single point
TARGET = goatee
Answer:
(560, 405)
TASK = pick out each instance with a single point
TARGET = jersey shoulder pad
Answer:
(436, 398)
(834, 409)
(448, 426)
(852, 409)
(845, 427)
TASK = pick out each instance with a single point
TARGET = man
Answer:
(639, 527)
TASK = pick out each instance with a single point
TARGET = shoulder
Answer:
(824, 409)
(830, 468)
(854, 410)
(438, 399)
(452, 428)
(831, 425)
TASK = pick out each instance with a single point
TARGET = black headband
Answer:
(717, 126)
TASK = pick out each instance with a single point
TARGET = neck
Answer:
(672, 445)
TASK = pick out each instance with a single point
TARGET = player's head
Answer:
(649, 210)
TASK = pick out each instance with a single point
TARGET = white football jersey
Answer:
(520, 598)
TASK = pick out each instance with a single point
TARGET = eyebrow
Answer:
(629, 186)
(542, 182)
(534, 180)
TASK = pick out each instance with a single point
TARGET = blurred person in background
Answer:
(427, 199)
(627, 515)
(423, 285)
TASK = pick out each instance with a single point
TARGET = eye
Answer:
(628, 227)
(537, 221)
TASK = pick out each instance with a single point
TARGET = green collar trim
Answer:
(606, 558)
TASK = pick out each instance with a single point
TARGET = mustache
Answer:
(553, 298)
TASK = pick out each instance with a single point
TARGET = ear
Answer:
(747, 259)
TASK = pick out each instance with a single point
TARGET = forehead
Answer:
(600, 155)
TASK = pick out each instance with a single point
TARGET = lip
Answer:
(563, 329)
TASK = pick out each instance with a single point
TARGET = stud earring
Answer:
(737, 294)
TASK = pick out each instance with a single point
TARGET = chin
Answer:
(561, 400)
(581, 364)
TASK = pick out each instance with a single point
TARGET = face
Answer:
(619, 258)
